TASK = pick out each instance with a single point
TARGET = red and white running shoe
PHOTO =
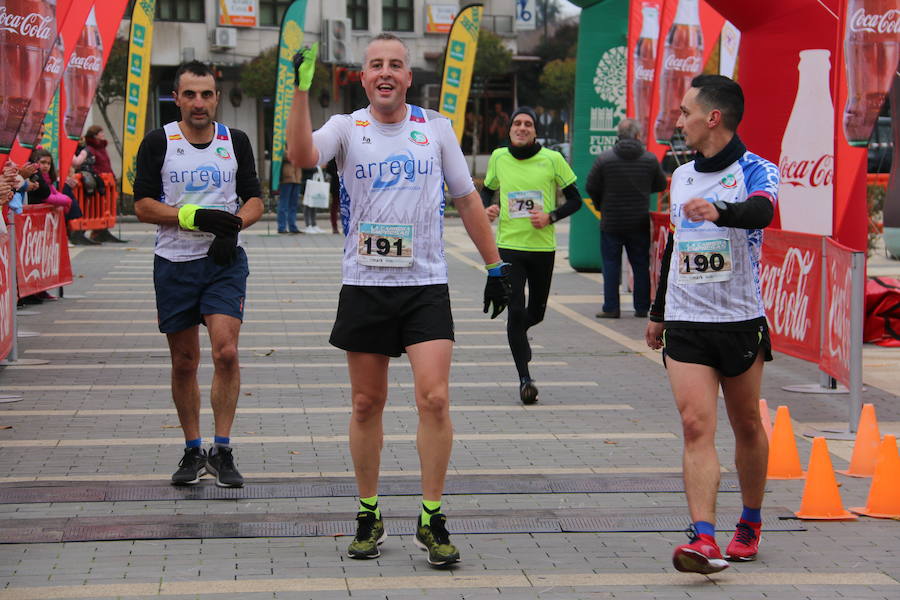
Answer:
(701, 555)
(745, 543)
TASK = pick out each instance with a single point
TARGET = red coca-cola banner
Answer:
(835, 356)
(6, 300)
(643, 40)
(659, 233)
(791, 278)
(42, 257)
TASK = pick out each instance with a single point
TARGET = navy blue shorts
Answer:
(185, 291)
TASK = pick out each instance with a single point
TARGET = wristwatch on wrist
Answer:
(721, 206)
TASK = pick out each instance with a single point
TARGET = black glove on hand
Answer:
(497, 289)
(218, 222)
(223, 250)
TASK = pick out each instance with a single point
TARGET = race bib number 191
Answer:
(385, 245)
(520, 203)
(704, 261)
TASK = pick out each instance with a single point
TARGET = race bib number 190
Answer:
(385, 245)
(520, 203)
(704, 261)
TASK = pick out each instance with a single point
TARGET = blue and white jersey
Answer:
(714, 273)
(194, 176)
(392, 178)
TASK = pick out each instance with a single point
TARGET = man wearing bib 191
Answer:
(191, 178)
(708, 314)
(394, 160)
(528, 177)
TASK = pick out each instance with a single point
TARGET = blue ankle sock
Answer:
(705, 528)
(222, 441)
(752, 515)
(194, 443)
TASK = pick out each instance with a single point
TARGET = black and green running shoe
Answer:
(435, 539)
(369, 535)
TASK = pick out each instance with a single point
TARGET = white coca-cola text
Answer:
(5, 291)
(33, 25)
(785, 295)
(887, 22)
(39, 248)
(643, 74)
(91, 62)
(54, 65)
(807, 173)
(688, 64)
(839, 315)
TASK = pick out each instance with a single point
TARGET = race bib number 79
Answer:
(704, 261)
(385, 245)
(520, 203)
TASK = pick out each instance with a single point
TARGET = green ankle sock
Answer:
(429, 508)
(370, 505)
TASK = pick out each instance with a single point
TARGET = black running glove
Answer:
(217, 222)
(223, 250)
(497, 289)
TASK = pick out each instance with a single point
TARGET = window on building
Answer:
(271, 11)
(397, 15)
(358, 13)
(180, 10)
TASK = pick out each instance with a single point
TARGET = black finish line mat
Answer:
(342, 487)
(138, 527)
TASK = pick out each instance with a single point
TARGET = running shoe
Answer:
(435, 540)
(370, 534)
(701, 555)
(191, 467)
(528, 392)
(220, 462)
(745, 544)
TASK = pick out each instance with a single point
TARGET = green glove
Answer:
(186, 216)
(305, 67)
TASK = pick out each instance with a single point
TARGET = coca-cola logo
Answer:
(888, 22)
(34, 25)
(688, 64)
(5, 291)
(643, 74)
(39, 248)
(54, 65)
(839, 315)
(91, 62)
(807, 173)
(784, 293)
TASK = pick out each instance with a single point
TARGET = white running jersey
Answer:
(193, 176)
(714, 273)
(392, 194)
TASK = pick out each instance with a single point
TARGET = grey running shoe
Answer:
(191, 467)
(370, 534)
(435, 540)
(220, 462)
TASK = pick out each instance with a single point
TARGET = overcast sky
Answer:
(568, 9)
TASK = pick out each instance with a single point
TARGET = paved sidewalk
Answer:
(90, 448)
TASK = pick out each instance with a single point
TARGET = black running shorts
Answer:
(385, 320)
(730, 352)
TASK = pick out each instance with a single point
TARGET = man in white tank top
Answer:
(708, 314)
(393, 160)
(191, 177)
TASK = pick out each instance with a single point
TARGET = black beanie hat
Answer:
(527, 110)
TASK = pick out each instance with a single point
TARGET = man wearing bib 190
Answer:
(708, 314)
(528, 177)
(394, 160)
(191, 178)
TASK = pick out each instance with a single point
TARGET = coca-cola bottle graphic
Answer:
(682, 61)
(27, 31)
(43, 95)
(82, 77)
(806, 191)
(644, 64)
(892, 198)
(871, 53)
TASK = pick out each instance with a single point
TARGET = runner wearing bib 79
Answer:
(708, 314)
(393, 160)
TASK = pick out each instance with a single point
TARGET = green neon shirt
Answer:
(531, 182)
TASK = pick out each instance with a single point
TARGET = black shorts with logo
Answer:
(385, 320)
(728, 351)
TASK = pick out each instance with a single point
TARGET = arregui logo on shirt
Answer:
(389, 171)
(201, 178)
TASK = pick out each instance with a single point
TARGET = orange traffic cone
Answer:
(865, 449)
(821, 498)
(784, 460)
(884, 494)
(766, 419)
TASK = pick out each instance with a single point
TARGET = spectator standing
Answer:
(499, 126)
(288, 196)
(620, 184)
(95, 143)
